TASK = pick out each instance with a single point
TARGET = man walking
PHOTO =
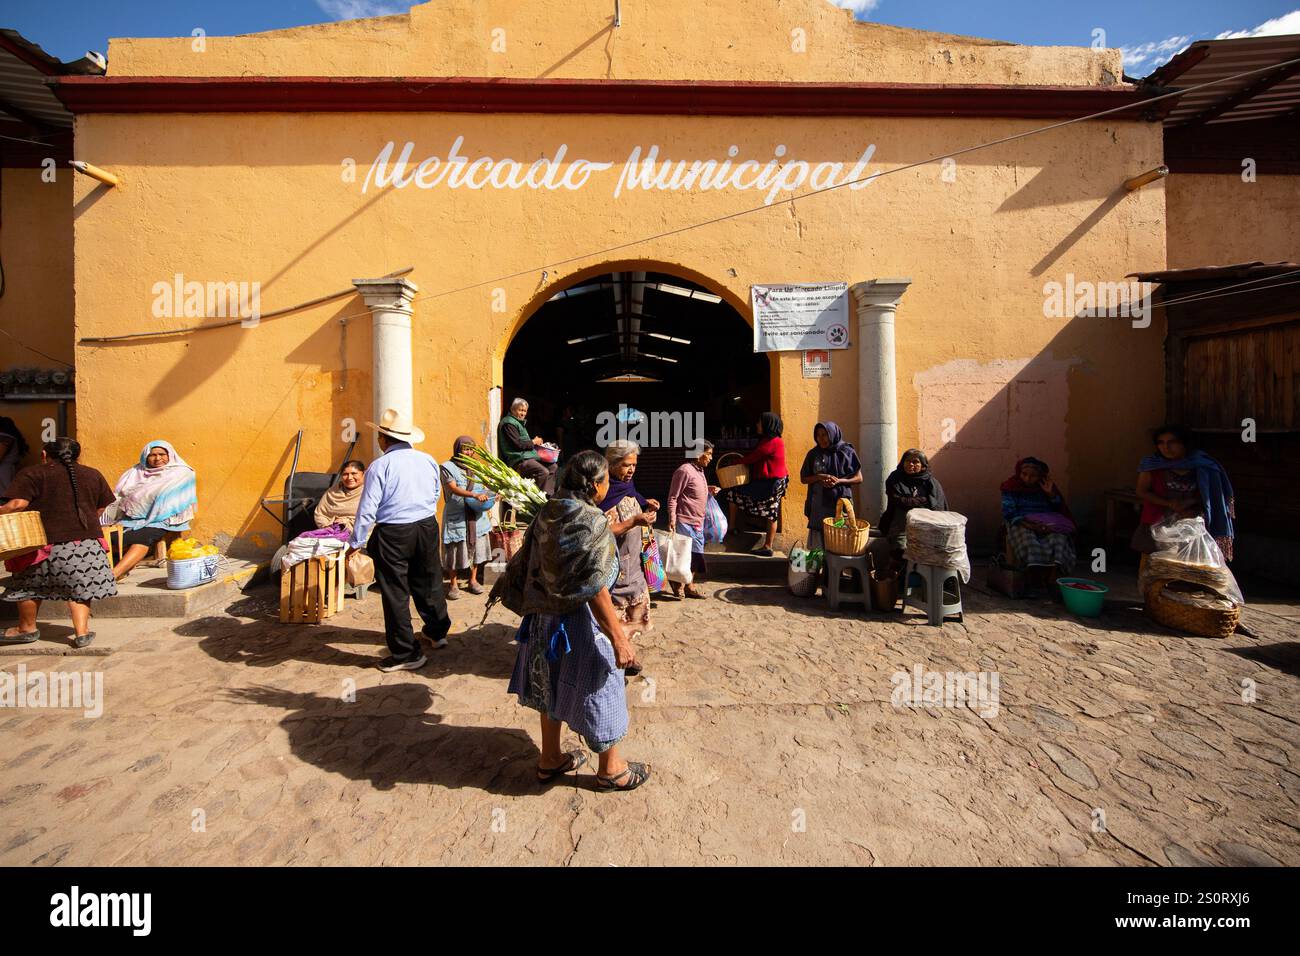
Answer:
(400, 502)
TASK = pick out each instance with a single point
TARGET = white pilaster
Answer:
(389, 301)
(877, 302)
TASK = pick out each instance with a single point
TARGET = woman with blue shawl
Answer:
(572, 645)
(156, 497)
(1181, 482)
(1039, 527)
(831, 470)
(465, 527)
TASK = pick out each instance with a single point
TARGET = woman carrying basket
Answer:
(73, 565)
(768, 479)
(830, 469)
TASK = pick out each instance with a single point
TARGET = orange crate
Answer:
(311, 590)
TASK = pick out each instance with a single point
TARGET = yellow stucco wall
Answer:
(659, 39)
(1265, 218)
(36, 308)
(261, 198)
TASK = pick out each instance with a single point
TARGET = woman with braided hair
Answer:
(72, 566)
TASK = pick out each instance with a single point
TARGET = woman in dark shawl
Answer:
(1040, 528)
(910, 485)
(566, 668)
(830, 469)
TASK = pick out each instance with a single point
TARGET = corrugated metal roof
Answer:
(1240, 270)
(1271, 94)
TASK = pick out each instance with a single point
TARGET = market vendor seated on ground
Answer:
(1038, 525)
(519, 450)
(156, 499)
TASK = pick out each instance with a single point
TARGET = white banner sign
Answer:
(796, 318)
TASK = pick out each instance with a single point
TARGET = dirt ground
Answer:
(770, 723)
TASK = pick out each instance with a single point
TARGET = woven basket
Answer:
(1192, 618)
(732, 476)
(20, 533)
(851, 540)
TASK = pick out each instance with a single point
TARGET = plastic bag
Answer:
(652, 564)
(715, 522)
(359, 569)
(300, 549)
(675, 549)
(1186, 551)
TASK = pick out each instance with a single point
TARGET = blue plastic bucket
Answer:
(191, 572)
(1081, 602)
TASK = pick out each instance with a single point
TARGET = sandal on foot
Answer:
(572, 761)
(82, 640)
(21, 637)
(691, 592)
(633, 669)
(475, 588)
(635, 774)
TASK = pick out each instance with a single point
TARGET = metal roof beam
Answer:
(1244, 95)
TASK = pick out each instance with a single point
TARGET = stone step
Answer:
(144, 593)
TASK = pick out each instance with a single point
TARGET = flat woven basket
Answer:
(732, 476)
(851, 540)
(20, 533)
(1195, 617)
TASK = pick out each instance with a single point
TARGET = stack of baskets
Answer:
(20, 533)
(846, 533)
(1187, 597)
(732, 476)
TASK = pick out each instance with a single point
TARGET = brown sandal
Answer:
(636, 774)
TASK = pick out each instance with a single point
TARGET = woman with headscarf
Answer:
(830, 469)
(337, 509)
(688, 502)
(1040, 529)
(910, 485)
(13, 448)
(566, 668)
(156, 497)
(628, 512)
(1180, 481)
(768, 478)
(464, 526)
(72, 566)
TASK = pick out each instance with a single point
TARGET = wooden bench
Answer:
(312, 590)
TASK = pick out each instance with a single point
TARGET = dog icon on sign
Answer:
(837, 335)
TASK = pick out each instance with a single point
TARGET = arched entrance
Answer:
(645, 340)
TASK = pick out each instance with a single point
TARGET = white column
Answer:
(877, 301)
(389, 301)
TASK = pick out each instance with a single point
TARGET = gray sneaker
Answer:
(390, 664)
(20, 638)
(453, 594)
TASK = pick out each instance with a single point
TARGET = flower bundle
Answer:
(499, 478)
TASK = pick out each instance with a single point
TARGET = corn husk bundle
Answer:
(496, 476)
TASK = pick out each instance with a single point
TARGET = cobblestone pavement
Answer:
(769, 723)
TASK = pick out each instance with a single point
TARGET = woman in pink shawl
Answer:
(156, 497)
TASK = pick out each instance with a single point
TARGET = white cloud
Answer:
(859, 7)
(360, 9)
(1145, 57)
(1286, 23)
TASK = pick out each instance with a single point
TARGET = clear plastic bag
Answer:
(1186, 551)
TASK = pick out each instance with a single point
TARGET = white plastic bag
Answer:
(301, 549)
(675, 551)
(1186, 551)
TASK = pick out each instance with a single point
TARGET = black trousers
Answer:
(542, 473)
(407, 566)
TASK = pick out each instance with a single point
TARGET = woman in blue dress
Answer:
(567, 669)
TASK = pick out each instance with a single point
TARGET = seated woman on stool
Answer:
(1040, 530)
(336, 512)
(157, 497)
(910, 485)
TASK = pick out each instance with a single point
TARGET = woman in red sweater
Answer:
(768, 479)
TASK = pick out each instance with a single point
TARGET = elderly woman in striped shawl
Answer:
(155, 497)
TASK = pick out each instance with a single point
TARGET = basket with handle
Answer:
(732, 476)
(507, 537)
(851, 539)
(20, 533)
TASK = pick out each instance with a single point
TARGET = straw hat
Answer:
(396, 425)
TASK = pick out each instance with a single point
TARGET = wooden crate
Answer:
(311, 590)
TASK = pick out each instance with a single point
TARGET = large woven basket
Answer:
(20, 533)
(732, 476)
(851, 540)
(1193, 618)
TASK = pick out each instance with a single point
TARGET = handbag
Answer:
(651, 563)
(715, 522)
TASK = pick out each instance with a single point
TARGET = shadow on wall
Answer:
(1083, 404)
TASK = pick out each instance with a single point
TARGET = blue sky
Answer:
(1149, 31)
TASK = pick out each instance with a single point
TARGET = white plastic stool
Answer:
(934, 587)
(836, 565)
